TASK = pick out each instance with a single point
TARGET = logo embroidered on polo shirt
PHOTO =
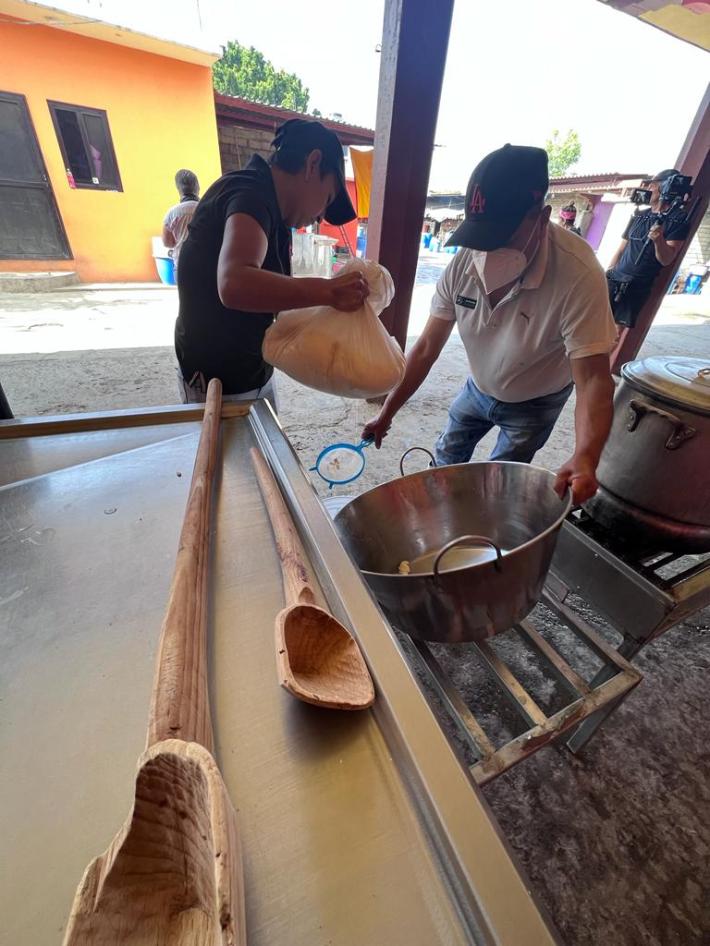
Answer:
(467, 302)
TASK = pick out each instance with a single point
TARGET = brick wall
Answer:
(237, 145)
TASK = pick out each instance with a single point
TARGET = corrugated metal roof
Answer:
(259, 115)
(607, 177)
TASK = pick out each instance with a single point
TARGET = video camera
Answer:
(673, 190)
(676, 187)
(641, 196)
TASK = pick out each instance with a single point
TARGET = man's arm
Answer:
(592, 422)
(243, 284)
(167, 237)
(666, 250)
(617, 256)
(420, 359)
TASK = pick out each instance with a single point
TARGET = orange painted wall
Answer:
(161, 116)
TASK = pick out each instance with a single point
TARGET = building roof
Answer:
(608, 177)
(596, 183)
(445, 199)
(247, 114)
(689, 20)
(584, 183)
(61, 15)
(444, 213)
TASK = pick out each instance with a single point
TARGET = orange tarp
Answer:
(362, 169)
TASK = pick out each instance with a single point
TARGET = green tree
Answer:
(562, 154)
(246, 73)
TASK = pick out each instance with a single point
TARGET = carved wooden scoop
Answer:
(317, 659)
(173, 873)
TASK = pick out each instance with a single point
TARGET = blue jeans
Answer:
(524, 427)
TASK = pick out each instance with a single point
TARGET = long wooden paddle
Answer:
(317, 659)
(173, 873)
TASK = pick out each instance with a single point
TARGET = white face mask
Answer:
(497, 268)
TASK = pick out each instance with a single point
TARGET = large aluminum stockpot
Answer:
(655, 468)
(478, 538)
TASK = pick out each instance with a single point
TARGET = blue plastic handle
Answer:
(341, 446)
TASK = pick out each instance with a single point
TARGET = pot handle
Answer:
(478, 539)
(411, 450)
(681, 431)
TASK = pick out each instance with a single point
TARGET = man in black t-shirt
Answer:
(235, 265)
(637, 262)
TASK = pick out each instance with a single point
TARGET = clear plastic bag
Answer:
(346, 353)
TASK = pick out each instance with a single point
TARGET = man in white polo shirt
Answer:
(532, 309)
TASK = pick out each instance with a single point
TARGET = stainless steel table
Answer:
(357, 828)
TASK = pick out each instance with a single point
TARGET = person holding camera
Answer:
(652, 240)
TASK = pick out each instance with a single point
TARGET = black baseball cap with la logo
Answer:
(502, 189)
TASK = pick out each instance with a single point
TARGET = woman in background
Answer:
(178, 217)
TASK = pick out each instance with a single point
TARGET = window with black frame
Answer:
(86, 146)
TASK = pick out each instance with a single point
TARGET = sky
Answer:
(516, 70)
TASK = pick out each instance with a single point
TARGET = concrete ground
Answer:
(86, 350)
(617, 842)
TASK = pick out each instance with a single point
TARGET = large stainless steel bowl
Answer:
(506, 517)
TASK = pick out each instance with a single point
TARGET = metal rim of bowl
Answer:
(566, 502)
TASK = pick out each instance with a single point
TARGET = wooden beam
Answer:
(44, 425)
(415, 38)
(694, 159)
(697, 142)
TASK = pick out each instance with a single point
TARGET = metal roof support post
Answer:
(415, 37)
(694, 159)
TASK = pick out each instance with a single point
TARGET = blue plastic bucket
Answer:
(166, 269)
(692, 285)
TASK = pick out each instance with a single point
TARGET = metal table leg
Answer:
(542, 730)
(628, 649)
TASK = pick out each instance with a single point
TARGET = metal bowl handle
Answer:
(681, 431)
(411, 450)
(478, 539)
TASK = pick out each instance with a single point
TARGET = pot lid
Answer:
(682, 381)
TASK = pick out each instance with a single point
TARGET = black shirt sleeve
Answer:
(253, 205)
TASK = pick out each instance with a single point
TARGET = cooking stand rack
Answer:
(641, 595)
(586, 698)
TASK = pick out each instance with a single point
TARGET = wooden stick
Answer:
(297, 588)
(179, 702)
(173, 873)
(317, 659)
